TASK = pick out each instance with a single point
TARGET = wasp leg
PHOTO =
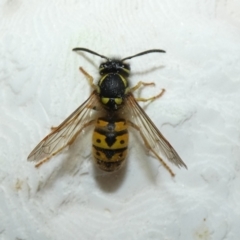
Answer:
(139, 85)
(151, 98)
(150, 148)
(94, 86)
(69, 143)
(89, 78)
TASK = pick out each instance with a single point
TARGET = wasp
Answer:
(112, 98)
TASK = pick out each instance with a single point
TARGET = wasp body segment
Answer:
(110, 143)
(118, 109)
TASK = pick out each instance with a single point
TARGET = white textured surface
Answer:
(199, 114)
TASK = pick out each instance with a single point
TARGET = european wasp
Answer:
(112, 98)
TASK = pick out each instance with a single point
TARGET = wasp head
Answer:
(114, 66)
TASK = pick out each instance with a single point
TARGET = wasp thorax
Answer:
(114, 66)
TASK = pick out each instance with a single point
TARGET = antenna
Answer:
(137, 55)
(143, 53)
(90, 51)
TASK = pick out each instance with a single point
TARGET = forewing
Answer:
(66, 132)
(153, 138)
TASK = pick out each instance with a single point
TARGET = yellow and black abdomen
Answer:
(110, 143)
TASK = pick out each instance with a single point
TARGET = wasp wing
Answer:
(66, 132)
(152, 137)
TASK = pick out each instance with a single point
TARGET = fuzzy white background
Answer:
(40, 85)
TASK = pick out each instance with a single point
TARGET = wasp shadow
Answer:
(88, 59)
(110, 181)
(147, 70)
